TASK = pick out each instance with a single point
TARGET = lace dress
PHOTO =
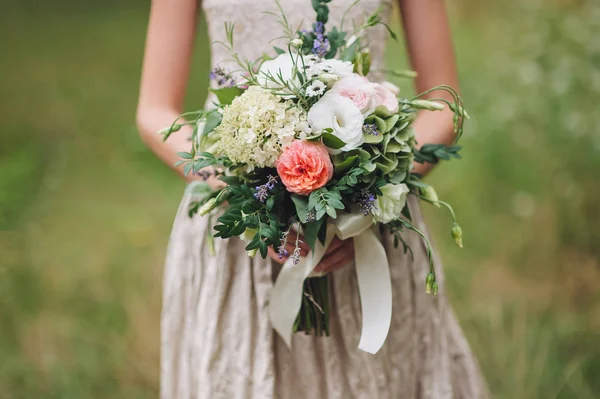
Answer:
(217, 341)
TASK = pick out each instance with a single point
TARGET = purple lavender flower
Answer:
(296, 256)
(282, 252)
(310, 216)
(370, 128)
(222, 77)
(321, 45)
(262, 191)
(366, 200)
(319, 27)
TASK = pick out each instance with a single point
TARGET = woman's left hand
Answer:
(338, 254)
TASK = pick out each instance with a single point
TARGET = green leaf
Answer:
(178, 163)
(382, 112)
(263, 247)
(323, 233)
(390, 122)
(311, 232)
(213, 119)
(187, 169)
(332, 141)
(301, 204)
(227, 94)
(185, 155)
(345, 165)
(270, 203)
(349, 53)
(278, 50)
(387, 163)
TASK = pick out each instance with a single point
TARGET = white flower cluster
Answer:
(257, 127)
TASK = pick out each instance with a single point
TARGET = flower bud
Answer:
(328, 78)
(429, 193)
(429, 282)
(434, 289)
(426, 104)
(296, 43)
(461, 111)
(208, 206)
(252, 252)
(170, 129)
(457, 234)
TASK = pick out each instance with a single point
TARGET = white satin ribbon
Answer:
(374, 282)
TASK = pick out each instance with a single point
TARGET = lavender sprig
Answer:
(262, 191)
(222, 77)
(321, 45)
(371, 129)
(366, 200)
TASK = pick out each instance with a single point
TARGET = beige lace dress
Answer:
(217, 341)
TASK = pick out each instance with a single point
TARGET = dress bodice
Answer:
(255, 30)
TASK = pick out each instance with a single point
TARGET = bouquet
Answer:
(304, 141)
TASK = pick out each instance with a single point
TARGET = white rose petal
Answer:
(340, 114)
(282, 66)
(389, 206)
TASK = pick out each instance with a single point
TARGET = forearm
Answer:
(433, 127)
(150, 123)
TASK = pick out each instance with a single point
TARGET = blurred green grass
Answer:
(85, 209)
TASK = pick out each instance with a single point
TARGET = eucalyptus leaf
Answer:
(390, 122)
(332, 141)
(345, 165)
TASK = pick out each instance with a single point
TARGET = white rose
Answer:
(389, 206)
(340, 114)
(358, 89)
(280, 67)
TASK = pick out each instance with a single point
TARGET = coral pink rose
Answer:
(358, 89)
(386, 98)
(304, 166)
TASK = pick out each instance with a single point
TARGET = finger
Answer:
(289, 247)
(335, 260)
(291, 243)
(292, 237)
(335, 244)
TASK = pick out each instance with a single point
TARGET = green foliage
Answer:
(84, 232)
(325, 202)
(433, 153)
(227, 94)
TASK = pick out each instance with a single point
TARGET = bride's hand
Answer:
(338, 255)
(289, 247)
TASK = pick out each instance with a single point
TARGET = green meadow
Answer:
(86, 209)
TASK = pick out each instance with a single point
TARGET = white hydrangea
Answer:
(257, 127)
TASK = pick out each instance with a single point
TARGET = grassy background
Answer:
(85, 209)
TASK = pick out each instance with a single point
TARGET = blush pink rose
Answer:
(386, 98)
(304, 166)
(358, 89)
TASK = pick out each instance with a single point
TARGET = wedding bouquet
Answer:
(306, 142)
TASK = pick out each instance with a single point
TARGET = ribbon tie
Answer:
(373, 275)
